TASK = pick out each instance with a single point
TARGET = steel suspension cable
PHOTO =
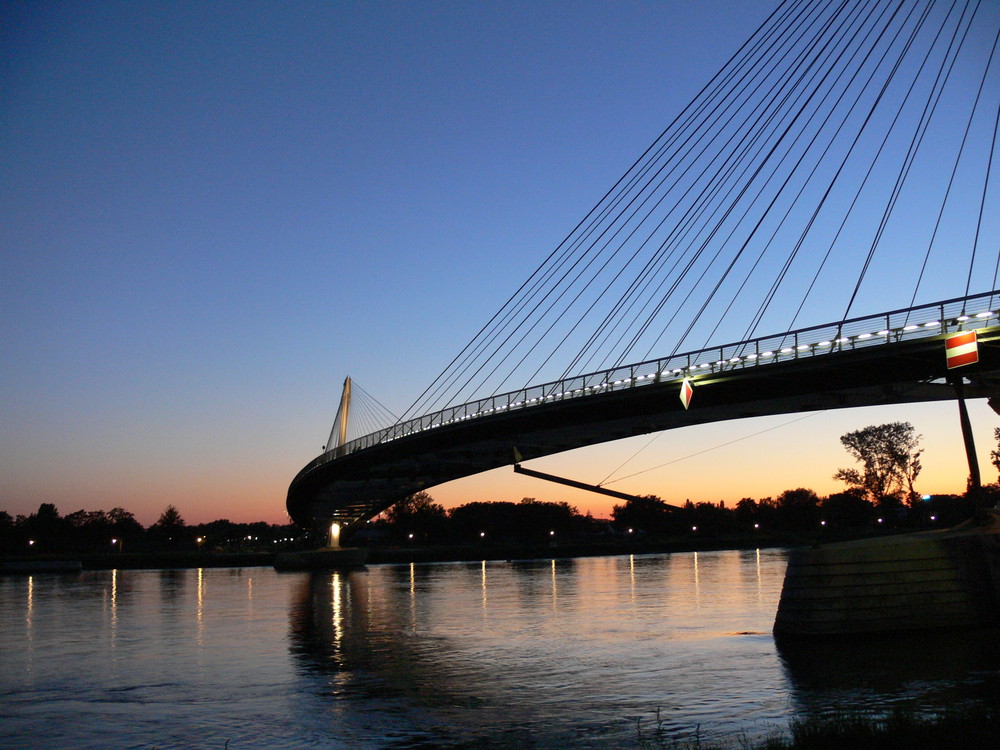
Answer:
(773, 202)
(640, 285)
(642, 274)
(929, 106)
(769, 297)
(900, 178)
(421, 401)
(829, 145)
(986, 181)
(748, 183)
(487, 375)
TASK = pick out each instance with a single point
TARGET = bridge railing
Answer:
(963, 313)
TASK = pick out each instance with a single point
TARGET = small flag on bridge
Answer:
(687, 391)
(961, 349)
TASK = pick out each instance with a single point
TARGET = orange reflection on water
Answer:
(31, 604)
(483, 566)
(201, 607)
(336, 615)
(555, 596)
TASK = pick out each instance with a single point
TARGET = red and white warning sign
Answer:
(687, 391)
(961, 349)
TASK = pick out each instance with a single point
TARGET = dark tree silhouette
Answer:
(797, 510)
(169, 531)
(170, 518)
(418, 515)
(649, 514)
(890, 459)
(995, 454)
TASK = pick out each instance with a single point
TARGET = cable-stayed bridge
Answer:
(891, 358)
(841, 160)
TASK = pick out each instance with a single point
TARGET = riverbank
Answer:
(426, 553)
(560, 550)
(141, 561)
(377, 555)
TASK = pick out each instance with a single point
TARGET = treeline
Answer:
(880, 497)
(116, 531)
(794, 514)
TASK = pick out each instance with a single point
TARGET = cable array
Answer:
(846, 139)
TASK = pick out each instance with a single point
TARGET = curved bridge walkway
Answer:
(893, 357)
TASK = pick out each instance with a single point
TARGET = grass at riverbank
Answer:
(954, 729)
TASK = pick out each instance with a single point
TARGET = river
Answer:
(589, 652)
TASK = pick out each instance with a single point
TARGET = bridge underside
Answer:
(355, 487)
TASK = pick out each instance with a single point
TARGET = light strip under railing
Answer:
(676, 373)
(558, 390)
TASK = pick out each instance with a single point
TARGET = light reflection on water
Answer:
(546, 653)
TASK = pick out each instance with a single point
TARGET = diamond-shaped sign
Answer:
(687, 391)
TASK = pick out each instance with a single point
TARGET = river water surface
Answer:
(590, 652)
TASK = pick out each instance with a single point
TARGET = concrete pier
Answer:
(925, 581)
(328, 558)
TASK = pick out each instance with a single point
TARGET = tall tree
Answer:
(417, 514)
(45, 527)
(890, 460)
(649, 513)
(170, 518)
(797, 509)
(169, 531)
(995, 454)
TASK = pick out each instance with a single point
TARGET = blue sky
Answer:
(212, 213)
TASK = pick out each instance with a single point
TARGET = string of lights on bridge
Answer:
(558, 390)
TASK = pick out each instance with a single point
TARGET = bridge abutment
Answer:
(926, 581)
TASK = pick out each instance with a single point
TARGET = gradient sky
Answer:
(211, 213)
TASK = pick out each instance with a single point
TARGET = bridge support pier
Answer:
(975, 478)
(921, 581)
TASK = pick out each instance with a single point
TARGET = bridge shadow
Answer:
(876, 674)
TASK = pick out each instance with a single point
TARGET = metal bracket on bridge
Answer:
(578, 485)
